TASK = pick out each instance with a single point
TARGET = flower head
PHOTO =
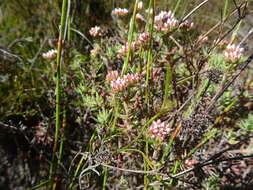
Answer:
(51, 54)
(118, 85)
(165, 21)
(131, 78)
(96, 31)
(119, 12)
(112, 76)
(121, 83)
(159, 129)
(233, 52)
(143, 38)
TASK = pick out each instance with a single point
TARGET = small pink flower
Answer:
(119, 12)
(121, 83)
(112, 76)
(118, 85)
(159, 129)
(233, 52)
(96, 31)
(131, 78)
(143, 37)
(165, 21)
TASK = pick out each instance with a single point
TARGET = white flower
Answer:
(51, 54)
(139, 5)
(233, 52)
(119, 11)
(95, 31)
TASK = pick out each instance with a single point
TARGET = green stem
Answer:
(116, 113)
(105, 177)
(58, 89)
(146, 167)
(130, 39)
(167, 85)
(174, 170)
(177, 6)
(64, 123)
(76, 172)
(225, 9)
(40, 185)
(150, 57)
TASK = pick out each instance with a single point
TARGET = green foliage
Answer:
(103, 116)
(231, 137)
(217, 61)
(247, 124)
(211, 183)
(93, 102)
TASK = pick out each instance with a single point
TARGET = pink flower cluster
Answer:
(121, 83)
(119, 12)
(113, 75)
(233, 52)
(165, 21)
(159, 129)
(143, 38)
(96, 31)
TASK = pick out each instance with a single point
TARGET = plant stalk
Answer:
(58, 93)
